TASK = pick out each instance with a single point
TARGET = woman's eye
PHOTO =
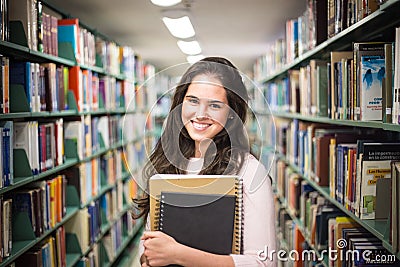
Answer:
(215, 106)
(193, 101)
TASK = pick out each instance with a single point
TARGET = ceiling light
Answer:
(165, 3)
(189, 48)
(180, 27)
(194, 59)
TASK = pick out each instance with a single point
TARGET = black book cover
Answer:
(201, 221)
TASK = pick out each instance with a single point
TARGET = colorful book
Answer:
(69, 31)
(372, 73)
(375, 165)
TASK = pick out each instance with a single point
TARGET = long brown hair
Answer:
(175, 147)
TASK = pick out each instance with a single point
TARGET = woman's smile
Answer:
(200, 126)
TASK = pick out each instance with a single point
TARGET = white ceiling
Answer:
(237, 29)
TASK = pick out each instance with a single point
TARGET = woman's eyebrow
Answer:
(191, 96)
(209, 100)
(213, 101)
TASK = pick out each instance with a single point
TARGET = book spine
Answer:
(6, 85)
(387, 94)
(396, 102)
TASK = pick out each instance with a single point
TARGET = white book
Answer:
(371, 170)
(88, 135)
(82, 174)
(35, 146)
(31, 148)
(35, 88)
(60, 141)
(22, 139)
(34, 37)
(88, 183)
(102, 128)
(74, 131)
(7, 222)
(375, 165)
(79, 225)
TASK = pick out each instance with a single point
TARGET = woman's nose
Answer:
(201, 110)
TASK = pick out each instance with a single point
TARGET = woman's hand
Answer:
(159, 249)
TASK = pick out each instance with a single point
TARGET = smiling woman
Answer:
(206, 125)
(204, 111)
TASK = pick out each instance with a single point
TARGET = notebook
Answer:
(213, 186)
(202, 221)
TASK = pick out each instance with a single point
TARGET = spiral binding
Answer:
(160, 216)
(158, 220)
(239, 213)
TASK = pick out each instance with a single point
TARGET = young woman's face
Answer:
(205, 108)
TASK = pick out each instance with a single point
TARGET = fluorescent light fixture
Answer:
(194, 59)
(165, 3)
(180, 27)
(189, 48)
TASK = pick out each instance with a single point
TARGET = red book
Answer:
(75, 85)
(298, 240)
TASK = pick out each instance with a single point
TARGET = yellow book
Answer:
(52, 246)
(52, 187)
(342, 223)
(332, 168)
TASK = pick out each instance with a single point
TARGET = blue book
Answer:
(82, 262)
(48, 216)
(98, 218)
(295, 140)
(302, 135)
(20, 73)
(92, 214)
(46, 255)
(296, 37)
(69, 34)
(6, 156)
(338, 182)
(8, 127)
(23, 202)
(104, 206)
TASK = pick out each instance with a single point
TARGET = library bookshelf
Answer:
(293, 126)
(89, 143)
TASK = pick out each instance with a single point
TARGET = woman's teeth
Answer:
(200, 126)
